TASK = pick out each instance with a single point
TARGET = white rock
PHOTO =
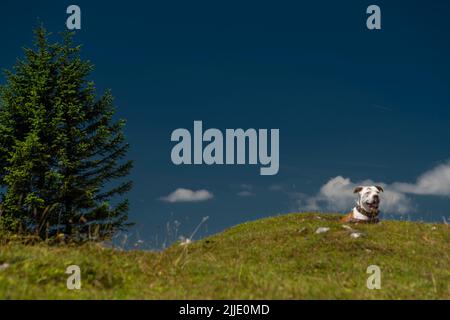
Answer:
(356, 235)
(322, 230)
(185, 242)
(4, 266)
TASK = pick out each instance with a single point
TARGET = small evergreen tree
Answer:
(60, 149)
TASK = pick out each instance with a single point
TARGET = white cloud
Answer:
(246, 190)
(337, 193)
(245, 193)
(433, 182)
(276, 187)
(186, 195)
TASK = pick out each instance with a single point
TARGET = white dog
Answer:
(367, 206)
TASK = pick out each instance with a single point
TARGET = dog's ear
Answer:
(379, 188)
(357, 189)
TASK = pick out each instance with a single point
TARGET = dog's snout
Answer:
(376, 198)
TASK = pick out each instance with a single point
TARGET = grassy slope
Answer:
(275, 258)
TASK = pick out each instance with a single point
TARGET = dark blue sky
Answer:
(348, 101)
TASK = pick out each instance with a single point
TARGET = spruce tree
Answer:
(62, 154)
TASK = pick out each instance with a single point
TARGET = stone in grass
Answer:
(185, 242)
(322, 230)
(4, 266)
(356, 235)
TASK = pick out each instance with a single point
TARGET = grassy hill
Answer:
(276, 258)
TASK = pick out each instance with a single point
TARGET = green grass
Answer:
(275, 258)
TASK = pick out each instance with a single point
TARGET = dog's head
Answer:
(369, 197)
